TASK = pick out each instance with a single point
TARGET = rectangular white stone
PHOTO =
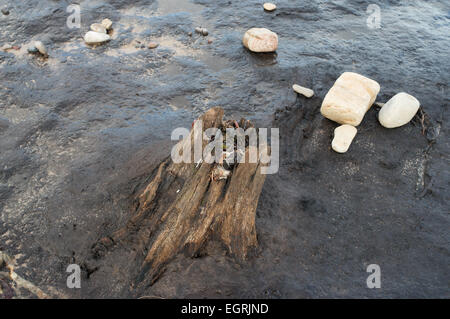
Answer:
(350, 98)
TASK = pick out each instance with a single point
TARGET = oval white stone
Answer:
(98, 27)
(343, 137)
(303, 91)
(260, 40)
(93, 37)
(399, 110)
(269, 6)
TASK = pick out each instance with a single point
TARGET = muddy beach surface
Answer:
(81, 130)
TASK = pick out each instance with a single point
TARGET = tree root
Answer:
(185, 205)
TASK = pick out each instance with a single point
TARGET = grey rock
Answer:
(33, 50)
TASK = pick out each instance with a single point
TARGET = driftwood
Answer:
(184, 206)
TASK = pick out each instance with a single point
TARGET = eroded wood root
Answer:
(186, 205)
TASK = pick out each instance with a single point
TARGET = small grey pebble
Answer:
(205, 32)
(32, 50)
(5, 11)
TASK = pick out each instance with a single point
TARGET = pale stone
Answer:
(6, 47)
(107, 23)
(202, 31)
(93, 37)
(269, 6)
(350, 98)
(41, 48)
(153, 45)
(343, 137)
(399, 110)
(260, 40)
(303, 91)
(98, 27)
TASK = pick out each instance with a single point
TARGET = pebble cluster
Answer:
(346, 102)
(351, 97)
(99, 32)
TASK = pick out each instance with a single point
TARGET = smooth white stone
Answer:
(93, 37)
(107, 23)
(260, 40)
(303, 91)
(350, 98)
(98, 27)
(399, 110)
(41, 47)
(343, 137)
(269, 6)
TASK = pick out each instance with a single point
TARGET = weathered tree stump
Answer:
(184, 206)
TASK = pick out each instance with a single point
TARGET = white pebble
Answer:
(303, 91)
(343, 137)
(399, 110)
(98, 27)
(41, 48)
(269, 6)
(93, 37)
(350, 98)
(107, 23)
(260, 40)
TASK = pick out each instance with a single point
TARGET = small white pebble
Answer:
(98, 27)
(41, 47)
(343, 137)
(93, 37)
(107, 23)
(303, 91)
(269, 6)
